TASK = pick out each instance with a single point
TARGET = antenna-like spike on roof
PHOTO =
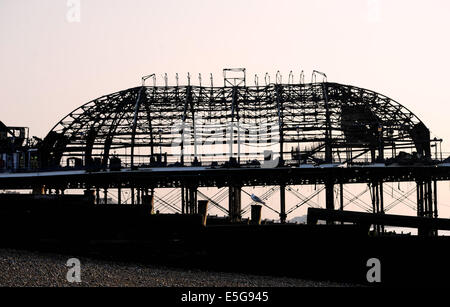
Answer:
(279, 78)
(267, 78)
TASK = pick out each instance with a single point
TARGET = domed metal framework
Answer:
(313, 123)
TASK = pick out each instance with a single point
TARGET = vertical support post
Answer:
(202, 206)
(329, 184)
(40, 190)
(328, 127)
(182, 144)
(192, 200)
(341, 198)
(329, 197)
(234, 114)
(97, 195)
(152, 193)
(183, 201)
(90, 193)
(427, 203)
(430, 199)
(119, 195)
(187, 105)
(381, 197)
(279, 91)
(377, 198)
(435, 199)
(105, 196)
(256, 214)
(189, 200)
(194, 128)
(239, 141)
(148, 204)
(283, 215)
(381, 201)
(377, 202)
(374, 196)
(372, 188)
(425, 199)
(380, 143)
(420, 198)
(234, 203)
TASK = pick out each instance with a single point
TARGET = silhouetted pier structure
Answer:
(233, 136)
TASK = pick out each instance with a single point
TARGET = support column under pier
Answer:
(148, 204)
(105, 196)
(234, 203)
(329, 196)
(341, 198)
(202, 207)
(119, 195)
(183, 201)
(283, 215)
(189, 200)
(435, 198)
(40, 190)
(97, 195)
(427, 203)
(426, 198)
(193, 200)
(377, 202)
(138, 196)
(91, 194)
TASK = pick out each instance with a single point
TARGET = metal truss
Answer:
(320, 122)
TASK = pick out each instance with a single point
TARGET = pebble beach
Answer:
(20, 268)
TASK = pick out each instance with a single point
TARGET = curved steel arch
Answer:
(307, 123)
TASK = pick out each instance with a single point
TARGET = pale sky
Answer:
(50, 66)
